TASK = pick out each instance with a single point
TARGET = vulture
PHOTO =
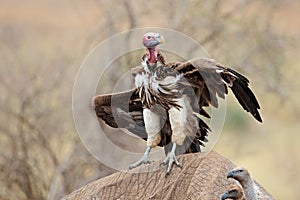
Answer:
(167, 104)
(234, 192)
(244, 178)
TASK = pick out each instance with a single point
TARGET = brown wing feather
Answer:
(121, 110)
(125, 110)
(213, 79)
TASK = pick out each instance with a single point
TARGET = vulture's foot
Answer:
(143, 160)
(170, 159)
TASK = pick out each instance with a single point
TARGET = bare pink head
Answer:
(151, 41)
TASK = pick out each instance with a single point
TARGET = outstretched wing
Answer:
(121, 110)
(211, 80)
(125, 110)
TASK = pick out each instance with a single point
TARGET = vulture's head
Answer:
(240, 174)
(234, 192)
(151, 41)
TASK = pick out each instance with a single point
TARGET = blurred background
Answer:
(44, 42)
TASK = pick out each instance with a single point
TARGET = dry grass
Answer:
(44, 34)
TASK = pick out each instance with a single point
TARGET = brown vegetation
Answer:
(44, 42)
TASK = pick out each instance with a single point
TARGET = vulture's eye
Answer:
(148, 37)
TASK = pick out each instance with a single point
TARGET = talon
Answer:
(143, 160)
(167, 174)
(138, 163)
(170, 159)
(177, 163)
(164, 162)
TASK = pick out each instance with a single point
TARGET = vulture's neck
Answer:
(152, 55)
(249, 189)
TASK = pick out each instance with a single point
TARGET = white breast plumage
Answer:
(150, 80)
(141, 80)
(167, 85)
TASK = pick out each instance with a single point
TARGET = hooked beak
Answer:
(160, 39)
(224, 196)
(230, 174)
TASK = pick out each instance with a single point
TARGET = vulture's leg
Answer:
(183, 124)
(170, 159)
(143, 160)
(153, 127)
